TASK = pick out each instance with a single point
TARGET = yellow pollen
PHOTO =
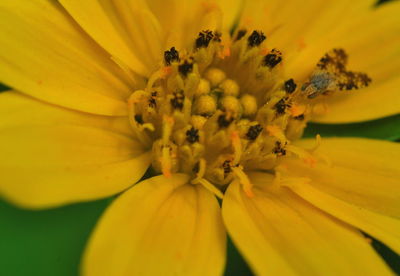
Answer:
(215, 76)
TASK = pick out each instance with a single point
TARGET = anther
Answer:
(177, 100)
(279, 150)
(139, 119)
(256, 38)
(272, 59)
(171, 56)
(192, 135)
(204, 38)
(224, 121)
(240, 34)
(290, 86)
(281, 106)
(185, 68)
(152, 100)
(254, 131)
(226, 166)
(217, 37)
(299, 117)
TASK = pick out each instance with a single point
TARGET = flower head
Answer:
(214, 97)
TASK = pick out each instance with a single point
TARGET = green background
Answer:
(50, 242)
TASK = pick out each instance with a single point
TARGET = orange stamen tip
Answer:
(301, 44)
(166, 71)
(226, 52)
(264, 51)
(209, 6)
(167, 173)
(168, 119)
(297, 110)
(249, 192)
(310, 161)
(276, 131)
(235, 136)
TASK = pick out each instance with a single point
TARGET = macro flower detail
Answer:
(213, 97)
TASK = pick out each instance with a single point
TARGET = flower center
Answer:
(224, 108)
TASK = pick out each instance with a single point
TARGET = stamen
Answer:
(166, 163)
(244, 181)
(237, 147)
(206, 184)
(272, 59)
(290, 86)
(171, 56)
(204, 39)
(254, 131)
(240, 34)
(256, 38)
(200, 180)
(277, 132)
(307, 157)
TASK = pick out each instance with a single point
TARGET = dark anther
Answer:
(139, 119)
(217, 36)
(227, 167)
(256, 38)
(185, 68)
(177, 100)
(281, 106)
(299, 117)
(171, 56)
(279, 150)
(272, 59)
(204, 39)
(223, 121)
(240, 34)
(192, 135)
(254, 131)
(290, 86)
(196, 167)
(152, 100)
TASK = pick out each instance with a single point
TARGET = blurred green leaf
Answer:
(386, 129)
(236, 265)
(3, 88)
(45, 243)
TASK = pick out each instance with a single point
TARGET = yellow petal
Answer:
(162, 226)
(46, 55)
(287, 23)
(281, 234)
(52, 156)
(373, 45)
(105, 22)
(181, 21)
(361, 186)
(18, 110)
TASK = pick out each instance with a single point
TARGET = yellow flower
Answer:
(105, 89)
